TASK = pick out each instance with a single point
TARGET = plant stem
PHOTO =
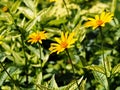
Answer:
(101, 33)
(26, 61)
(8, 73)
(40, 57)
(72, 67)
(66, 7)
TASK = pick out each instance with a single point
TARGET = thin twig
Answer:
(40, 57)
(66, 7)
(26, 59)
(7, 73)
(72, 67)
(103, 56)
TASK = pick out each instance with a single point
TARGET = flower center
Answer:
(99, 22)
(64, 45)
(38, 38)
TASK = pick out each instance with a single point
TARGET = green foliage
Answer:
(116, 69)
(26, 66)
(96, 68)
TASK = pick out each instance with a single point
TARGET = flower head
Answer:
(99, 20)
(37, 37)
(63, 43)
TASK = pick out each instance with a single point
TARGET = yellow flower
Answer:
(37, 37)
(52, 0)
(63, 43)
(99, 20)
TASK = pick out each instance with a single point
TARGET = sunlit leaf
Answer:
(101, 78)
(27, 12)
(77, 17)
(45, 59)
(116, 69)
(15, 6)
(29, 25)
(57, 22)
(96, 68)
(80, 32)
(82, 85)
(53, 83)
(39, 79)
(42, 87)
(18, 59)
(114, 22)
(4, 75)
(6, 17)
(2, 57)
(6, 47)
(34, 50)
(30, 4)
(118, 88)
(114, 2)
(71, 85)
(6, 87)
(108, 65)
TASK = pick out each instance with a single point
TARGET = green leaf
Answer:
(45, 59)
(77, 17)
(82, 85)
(53, 31)
(7, 17)
(27, 12)
(30, 4)
(115, 23)
(72, 85)
(2, 57)
(36, 2)
(6, 47)
(21, 25)
(41, 87)
(34, 50)
(16, 88)
(101, 78)
(96, 68)
(5, 87)
(39, 78)
(2, 29)
(113, 8)
(44, 14)
(29, 25)
(18, 60)
(57, 22)
(53, 84)
(80, 32)
(108, 65)
(34, 18)
(4, 75)
(15, 6)
(118, 88)
(116, 69)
